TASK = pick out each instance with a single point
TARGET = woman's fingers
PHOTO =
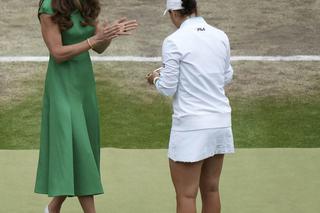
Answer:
(124, 33)
(121, 20)
(113, 37)
(109, 37)
(130, 22)
(122, 26)
(127, 27)
(111, 33)
(114, 29)
(109, 28)
(130, 28)
(105, 23)
(130, 25)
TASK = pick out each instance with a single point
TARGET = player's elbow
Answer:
(227, 81)
(228, 77)
(167, 89)
(168, 92)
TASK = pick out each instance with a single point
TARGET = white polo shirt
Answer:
(196, 68)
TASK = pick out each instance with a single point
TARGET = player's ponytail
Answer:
(190, 7)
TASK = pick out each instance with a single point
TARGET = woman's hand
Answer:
(126, 25)
(105, 33)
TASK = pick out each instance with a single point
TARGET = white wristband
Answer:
(155, 80)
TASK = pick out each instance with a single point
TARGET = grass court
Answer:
(275, 109)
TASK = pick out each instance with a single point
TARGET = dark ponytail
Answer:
(190, 7)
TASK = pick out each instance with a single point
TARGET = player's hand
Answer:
(158, 70)
(152, 75)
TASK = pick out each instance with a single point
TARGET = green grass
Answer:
(272, 122)
(128, 122)
(133, 115)
(253, 180)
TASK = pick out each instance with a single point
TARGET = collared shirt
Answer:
(196, 68)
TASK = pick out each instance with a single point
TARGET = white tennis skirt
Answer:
(197, 145)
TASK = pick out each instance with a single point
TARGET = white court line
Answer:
(158, 59)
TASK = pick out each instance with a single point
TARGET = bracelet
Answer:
(155, 80)
(91, 46)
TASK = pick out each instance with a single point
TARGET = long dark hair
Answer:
(189, 7)
(89, 9)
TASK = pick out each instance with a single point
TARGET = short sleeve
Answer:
(45, 8)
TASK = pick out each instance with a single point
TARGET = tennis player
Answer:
(196, 68)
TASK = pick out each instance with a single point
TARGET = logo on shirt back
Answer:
(201, 29)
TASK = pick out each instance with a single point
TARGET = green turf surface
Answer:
(253, 180)
(269, 109)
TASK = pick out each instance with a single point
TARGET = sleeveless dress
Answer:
(69, 158)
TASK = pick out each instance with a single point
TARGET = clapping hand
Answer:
(126, 26)
(106, 32)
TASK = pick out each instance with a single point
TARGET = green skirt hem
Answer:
(69, 194)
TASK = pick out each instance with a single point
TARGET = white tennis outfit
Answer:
(196, 68)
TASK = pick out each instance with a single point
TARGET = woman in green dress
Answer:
(69, 159)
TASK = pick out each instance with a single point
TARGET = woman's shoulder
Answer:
(46, 7)
(176, 39)
(219, 32)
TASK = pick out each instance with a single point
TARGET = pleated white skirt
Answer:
(197, 145)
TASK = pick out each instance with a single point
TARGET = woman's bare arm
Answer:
(52, 37)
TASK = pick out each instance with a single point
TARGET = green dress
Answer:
(69, 158)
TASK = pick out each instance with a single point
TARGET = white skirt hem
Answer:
(200, 158)
(197, 145)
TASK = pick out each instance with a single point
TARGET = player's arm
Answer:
(169, 76)
(228, 74)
